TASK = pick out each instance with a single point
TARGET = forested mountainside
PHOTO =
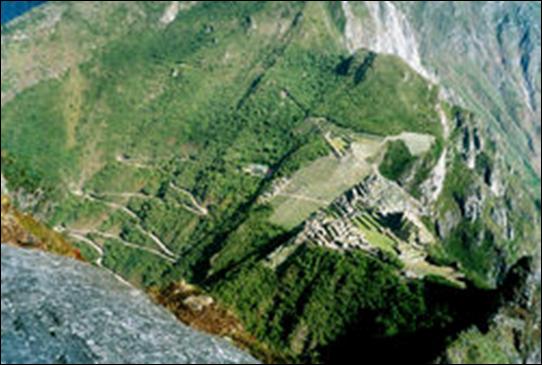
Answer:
(323, 172)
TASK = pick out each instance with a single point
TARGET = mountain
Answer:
(497, 67)
(486, 55)
(336, 176)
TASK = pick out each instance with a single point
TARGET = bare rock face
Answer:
(496, 43)
(3, 186)
(55, 310)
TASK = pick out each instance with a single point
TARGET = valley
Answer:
(269, 173)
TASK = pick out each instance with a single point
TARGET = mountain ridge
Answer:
(232, 129)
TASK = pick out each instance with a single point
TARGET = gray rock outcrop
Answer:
(55, 310)
(3, 185)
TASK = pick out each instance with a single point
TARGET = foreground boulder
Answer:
(56, 310)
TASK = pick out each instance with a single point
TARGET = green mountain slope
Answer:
(497, 69)
(319, 192)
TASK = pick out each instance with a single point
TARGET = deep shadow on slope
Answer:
(470, 307)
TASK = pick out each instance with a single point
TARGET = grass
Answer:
(26, 231)
(318, 184)
(291, 212)
(46, 157)
(371, 232)
(418, 144)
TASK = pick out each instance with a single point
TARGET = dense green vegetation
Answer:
(380, 95)
(155, 146)
(397, 161)
(473, 347)
(167, 106)
(486, 261)
(138, 267)
(316, 297)
(44, 161)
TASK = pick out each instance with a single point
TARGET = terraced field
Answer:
(317, 185)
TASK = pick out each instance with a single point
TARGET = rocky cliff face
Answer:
(382, 28)
(4, 185)
(486, 53)
(55, 310)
